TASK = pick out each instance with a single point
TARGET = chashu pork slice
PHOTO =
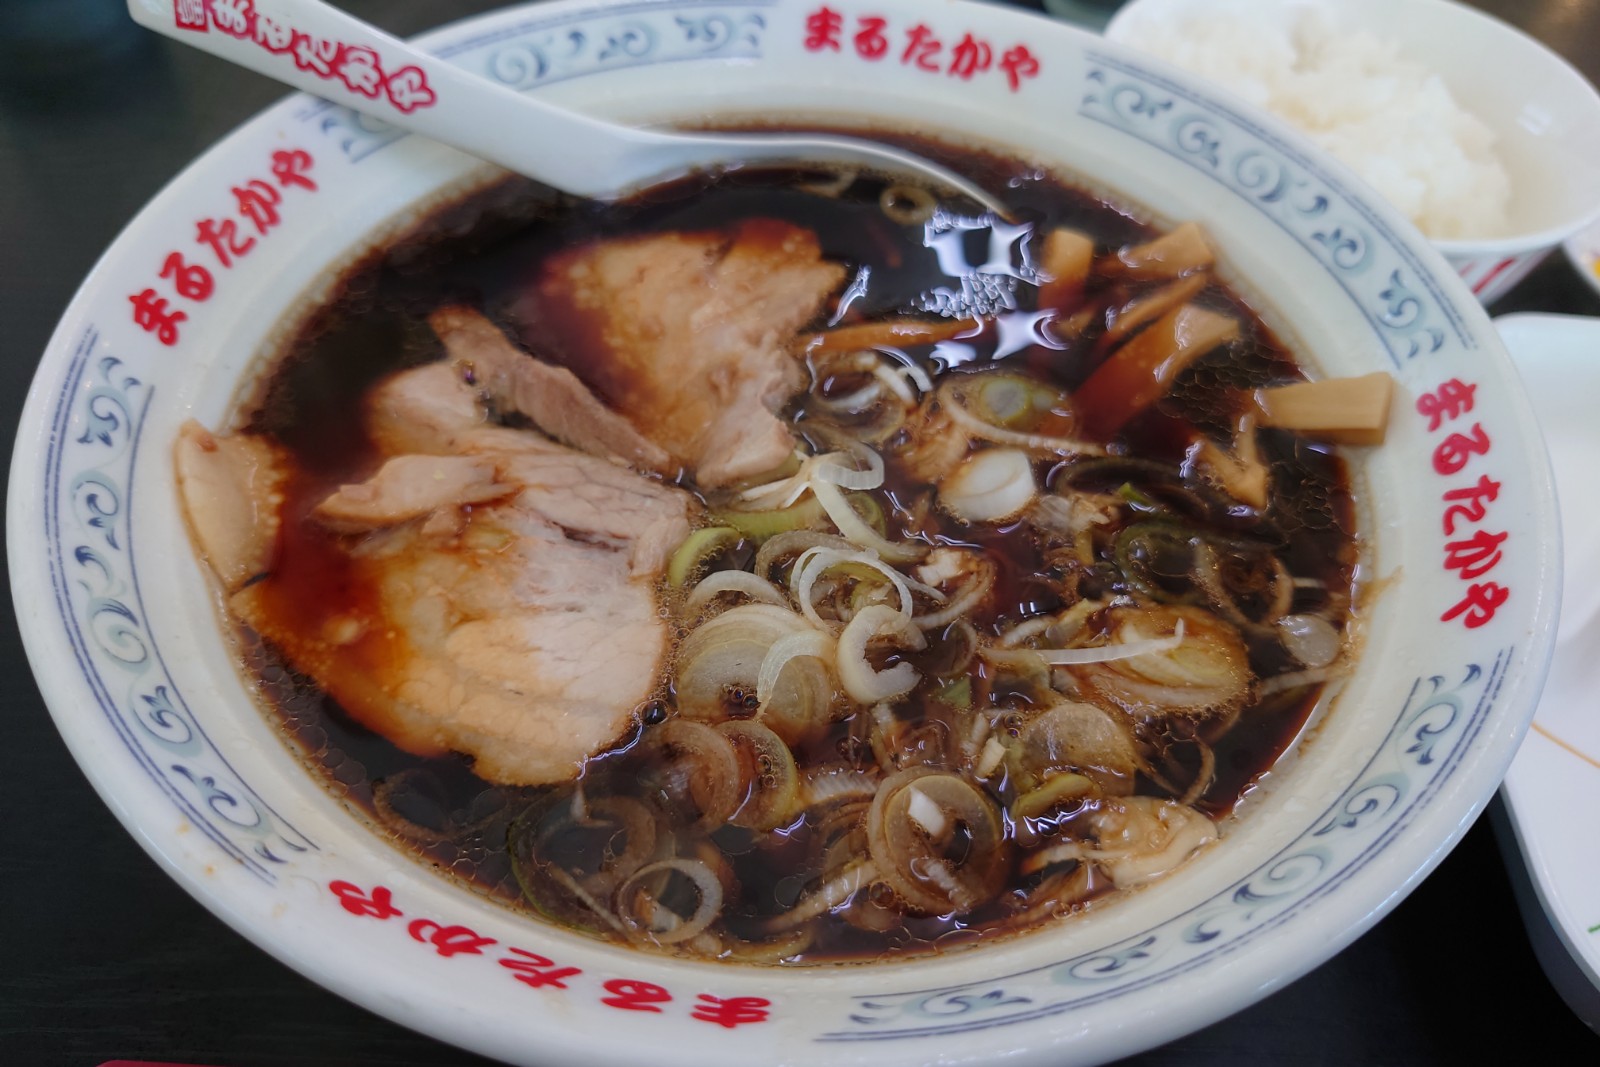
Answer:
(233, 490)
(496, 590)
(552, 397)
(690, 336)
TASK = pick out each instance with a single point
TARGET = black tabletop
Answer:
(102, 957)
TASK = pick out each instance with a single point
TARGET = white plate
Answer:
(1584, 251)
(1553, 787)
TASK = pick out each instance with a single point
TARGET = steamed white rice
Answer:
(1389, 119)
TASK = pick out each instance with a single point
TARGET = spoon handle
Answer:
(324, 51)
(315, 47)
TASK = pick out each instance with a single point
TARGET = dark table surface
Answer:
(102, 957)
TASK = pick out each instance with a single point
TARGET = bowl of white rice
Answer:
(1485, 139)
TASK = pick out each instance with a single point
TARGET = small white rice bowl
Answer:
(1495, 168)
(1392, 120)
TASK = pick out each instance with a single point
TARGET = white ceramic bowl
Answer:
(121, 626)
(1544, 114)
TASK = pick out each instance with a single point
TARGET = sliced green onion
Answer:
(813, 643)
(760, 525)
(829, 468)
(698, 547)
(814, 562)
(725, 654)
(911, 847)
(864, 684)
(1049, 796)
(957, 694)
(716, 583)
(793, 543)
(770, 779)
(1061, 657)
(828, 896)
(991, 485)
(654, 921)
(713, 775)
(857, 530)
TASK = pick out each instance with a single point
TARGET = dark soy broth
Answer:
(483, 252)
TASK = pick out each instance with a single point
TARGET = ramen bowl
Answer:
(124, 633)
(1543, 114)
